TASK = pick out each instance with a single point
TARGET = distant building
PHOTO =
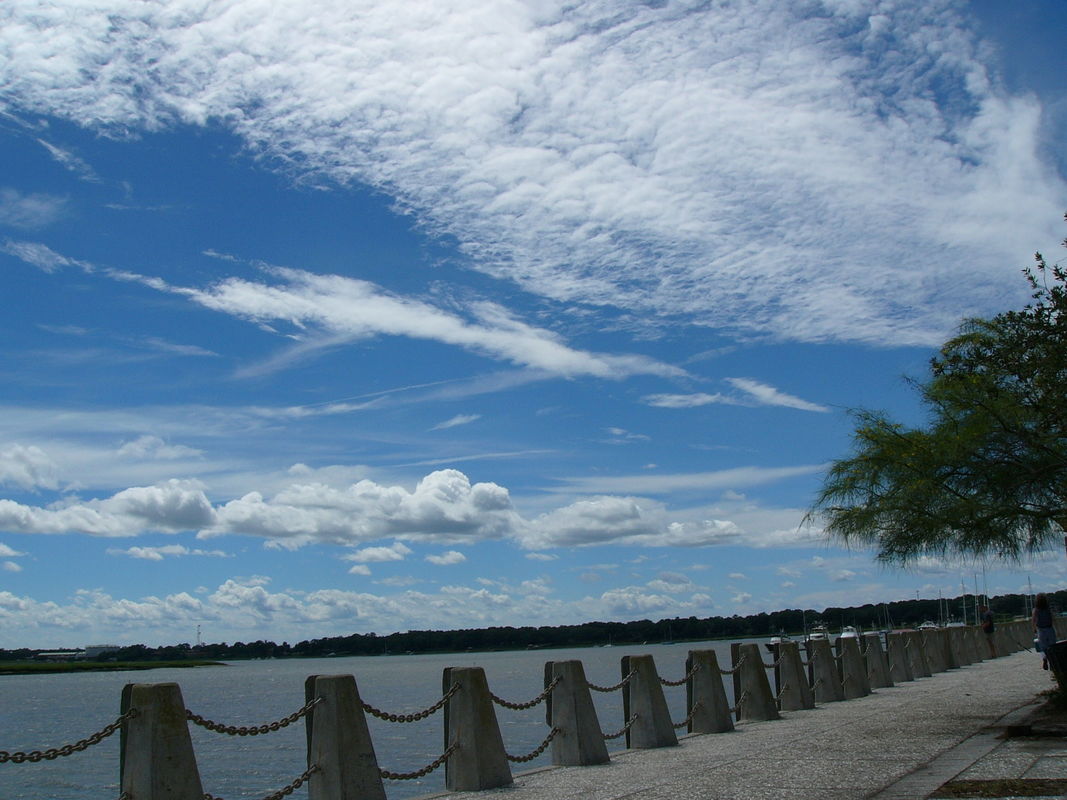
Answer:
(96, 650)
(58, 655)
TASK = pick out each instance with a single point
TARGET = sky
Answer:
(349, 317)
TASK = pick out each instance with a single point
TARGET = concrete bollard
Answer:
(794, 692)
(826, 678)
(916, 658)
(339, 742)
(899, 664)
(479, 761)
(157, 760)
(752, 691)
(706, 694)
(959, 650)
(642, 697)
(877, 664)
(580, 741)
(854, 681)
(934, 648)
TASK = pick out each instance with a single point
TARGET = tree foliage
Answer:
(987, 474)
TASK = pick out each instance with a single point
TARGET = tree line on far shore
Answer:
(902, 613)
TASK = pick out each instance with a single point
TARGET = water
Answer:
(43, 711)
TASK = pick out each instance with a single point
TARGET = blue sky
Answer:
(382, 316)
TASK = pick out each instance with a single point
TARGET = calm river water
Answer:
(42, 711)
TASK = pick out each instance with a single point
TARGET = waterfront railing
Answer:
(157, 761)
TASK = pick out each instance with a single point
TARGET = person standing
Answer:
(1046, 634)
(988, 627)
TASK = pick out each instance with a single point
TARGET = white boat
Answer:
(928, 626)
(818, 632)
(776, 640)
(849, 632)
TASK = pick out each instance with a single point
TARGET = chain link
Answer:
(535, 753)
(68, 749)
(774, 663)
(737, 666)
(626, 727)
(785, 688)
(255, 730)
(278, 795)
(685, 679)
(410, 776)
(523, 706)
(740, 702)
(412, 717)
(617, 686)
(689, 717)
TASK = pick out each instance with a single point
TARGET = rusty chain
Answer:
(376, 712)
(255, 730)
(736, 667)
(784, 689)
(689, 717)
(68, 749)
(530, 704)
(535, 753)
(410, 776)
(626, 727)
(278, 795)
(774, 663)
(740, 702)
(685, 679)
(618, 685)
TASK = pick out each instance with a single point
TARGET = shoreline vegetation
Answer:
(897, 614)
(51, 667)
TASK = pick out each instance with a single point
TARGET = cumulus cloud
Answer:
(27, 467)
(444, 507)
(164, 551)
(11, 566)
(447, 559)
(171, 506)
(368, 555)
(711, 160)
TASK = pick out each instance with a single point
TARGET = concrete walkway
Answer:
(900, 742)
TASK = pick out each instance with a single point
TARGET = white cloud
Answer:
(687, 400)
(164, 551)
(447, 559)
(655, 484)
(359, 569)
(171, 506)
(740, 598)
(459, 419)
(29, 211)
(11, 566)
(737, 576)
(713, 160)
(41, 256)
(769, 396)
(369, 555)
(27, 467)
(152, 447)
(70, 161)
(9, 552)
(530, 556)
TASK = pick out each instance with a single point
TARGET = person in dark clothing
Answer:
(1046, 634)
(988, 628)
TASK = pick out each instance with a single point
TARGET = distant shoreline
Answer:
(59, 667)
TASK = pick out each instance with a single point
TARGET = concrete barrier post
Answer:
(825, 674)
(899, 664)
(157, 760)
(976, 639)
(706, 695)
(479, 761)
(339, 742)
(755, 700)
(580, 741)
(877, 663)
(934, 650)
(642, 697)
(854, 681)
(916, 657)
(959, 646)
(794, 692)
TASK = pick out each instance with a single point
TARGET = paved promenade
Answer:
(899, 743)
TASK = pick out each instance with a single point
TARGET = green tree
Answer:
(987, 474)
